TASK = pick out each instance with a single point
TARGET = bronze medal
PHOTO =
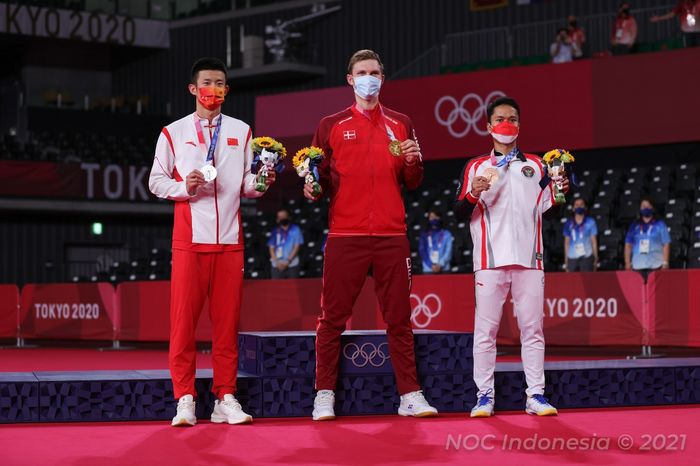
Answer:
(395, 148)
(491, 174)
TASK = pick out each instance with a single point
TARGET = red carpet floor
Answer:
(641, 436)
(85, 359)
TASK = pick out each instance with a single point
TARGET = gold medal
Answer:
(395, 148)
(491, 174)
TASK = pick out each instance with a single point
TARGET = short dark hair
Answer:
(649, 200)
(562, 30)
(505, 100)
(206, 63)
(436, 212)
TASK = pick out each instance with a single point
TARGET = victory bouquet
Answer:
(306, 162)
(555, 160)
(268, 154)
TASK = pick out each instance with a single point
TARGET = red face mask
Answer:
(211, 97)
(505, 132)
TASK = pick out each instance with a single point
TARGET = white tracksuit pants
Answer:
(491, 289)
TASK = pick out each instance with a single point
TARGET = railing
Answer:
(426, 64)
(478, 46)
(532, 40)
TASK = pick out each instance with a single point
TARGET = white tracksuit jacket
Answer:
(210, 220)
(506, 221)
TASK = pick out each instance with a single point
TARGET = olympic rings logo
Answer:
(368, 353)
(461, 111)
(425, 310)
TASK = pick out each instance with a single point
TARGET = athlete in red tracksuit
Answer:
(207, 237)
(367, 230)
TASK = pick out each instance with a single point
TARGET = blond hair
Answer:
(365, 54)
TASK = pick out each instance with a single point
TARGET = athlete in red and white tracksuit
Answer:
(207, 242)
(505, 215)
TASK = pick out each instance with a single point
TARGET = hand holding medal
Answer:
(306, 162)
(555, 160)
(407, 149)
(491, 175)
(268, 155)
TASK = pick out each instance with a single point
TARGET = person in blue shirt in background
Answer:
(284, 243)
(435, 246)
(647, 243)
(580, 240)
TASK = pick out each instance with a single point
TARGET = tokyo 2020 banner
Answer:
(580, 309)
(602, 308)
(81, 311)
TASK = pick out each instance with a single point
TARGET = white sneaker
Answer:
(538, 404)
(414, 404)
(229, 410)
(185, 412)
(484, 406)
(323, 406)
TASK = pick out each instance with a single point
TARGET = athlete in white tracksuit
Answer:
(504, 194)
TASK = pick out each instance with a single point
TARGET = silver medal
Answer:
(209, 172)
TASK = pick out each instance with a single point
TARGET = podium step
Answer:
(278, 381)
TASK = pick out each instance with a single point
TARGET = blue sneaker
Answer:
(484, 406)
(538, 404)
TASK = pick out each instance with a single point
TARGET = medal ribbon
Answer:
(214, 138)
(389, 132)
(507, 158)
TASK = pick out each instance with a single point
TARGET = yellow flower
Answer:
(311, 152)
(300, 156)
(562, 154)
(264, 141)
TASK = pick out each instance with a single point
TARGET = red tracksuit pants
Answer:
(346, 264)
(196, 276)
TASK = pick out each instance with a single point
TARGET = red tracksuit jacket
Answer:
(359, 174)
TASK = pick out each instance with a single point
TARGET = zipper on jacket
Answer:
(216, 202)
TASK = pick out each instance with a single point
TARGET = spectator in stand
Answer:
(580, 240)
(647, 244)
(624, 34)
(577, 36)
(435, 246)
(688, 11)
(284, 243)
(562, 49)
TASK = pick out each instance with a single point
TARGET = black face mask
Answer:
(573, 24)
(625, 12)
(284, 222)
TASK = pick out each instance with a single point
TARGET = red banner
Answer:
(145, 312)
(674, 307)
(581, 309)
(585, 104)
(602, 308)
(74, 181)
(9, 311)
(83, 311)
(268, 305)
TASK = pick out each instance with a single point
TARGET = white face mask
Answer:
(367, 86)
(504, 139)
